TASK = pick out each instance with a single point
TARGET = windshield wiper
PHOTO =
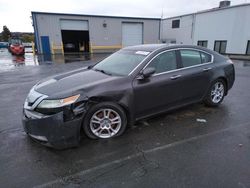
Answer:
(102, 71)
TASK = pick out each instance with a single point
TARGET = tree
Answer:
(27, 37)
(6, 34)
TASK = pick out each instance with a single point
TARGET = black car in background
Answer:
(131, 84)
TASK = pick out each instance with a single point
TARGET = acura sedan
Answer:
(129, 85)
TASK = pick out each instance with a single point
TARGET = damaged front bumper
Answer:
(52, 130)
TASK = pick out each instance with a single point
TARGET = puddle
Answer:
(10, 62)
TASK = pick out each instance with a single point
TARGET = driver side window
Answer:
(164, 62)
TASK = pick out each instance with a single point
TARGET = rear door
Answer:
(196, 74)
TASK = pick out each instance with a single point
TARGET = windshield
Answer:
(15, 41)
(121, 63)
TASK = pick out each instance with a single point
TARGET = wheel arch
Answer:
(226, 83)
(95, 100)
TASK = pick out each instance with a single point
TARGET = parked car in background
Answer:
(16, 47)
(131, 84)
(4, 44)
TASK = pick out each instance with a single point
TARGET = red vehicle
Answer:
(16, 47)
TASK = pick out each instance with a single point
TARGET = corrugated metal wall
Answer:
(231, 24)
(103, 31)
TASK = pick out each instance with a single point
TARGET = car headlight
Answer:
(58, 103)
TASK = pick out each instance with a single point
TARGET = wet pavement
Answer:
(10, 62)
(170, 150)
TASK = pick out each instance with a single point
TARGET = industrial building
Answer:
(74, 33)
(225, 29)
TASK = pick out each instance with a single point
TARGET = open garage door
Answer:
(132, 34)
(75, 36)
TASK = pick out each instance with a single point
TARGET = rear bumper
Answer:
(53, 131)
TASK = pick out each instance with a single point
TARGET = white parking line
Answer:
(163, 147)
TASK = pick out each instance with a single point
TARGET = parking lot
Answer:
(194, 146)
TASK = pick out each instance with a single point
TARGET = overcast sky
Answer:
(16, 13)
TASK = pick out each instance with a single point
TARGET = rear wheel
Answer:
(216, 93)
(105, 120)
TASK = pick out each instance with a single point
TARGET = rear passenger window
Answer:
(190, 58)
(164, 62)
(205, 58)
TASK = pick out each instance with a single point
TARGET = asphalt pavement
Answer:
(195, 146)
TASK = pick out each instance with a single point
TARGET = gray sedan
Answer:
(131, 84)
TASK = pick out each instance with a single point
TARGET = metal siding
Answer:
(104, 36)
(37, 43)
(232, 25)
(151, 32)
(182, 35)
(49, 25)
(95, 16)
(112, 34)
(132, 34)
(78, 25)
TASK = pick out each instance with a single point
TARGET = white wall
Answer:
(232, 25)
(182, 35)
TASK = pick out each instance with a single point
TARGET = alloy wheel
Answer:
(105, 123)
(217, 92)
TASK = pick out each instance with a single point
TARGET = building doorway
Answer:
(75, 41)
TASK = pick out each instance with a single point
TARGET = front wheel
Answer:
(104, 120)
(216, 93)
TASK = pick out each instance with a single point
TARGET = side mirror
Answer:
(146, 73)
(90, 66)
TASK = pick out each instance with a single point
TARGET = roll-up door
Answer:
(77, 25)
(132, 34)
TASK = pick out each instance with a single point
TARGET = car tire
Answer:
(104, 120)
(216, 93)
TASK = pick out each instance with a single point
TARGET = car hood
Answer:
(72, 82)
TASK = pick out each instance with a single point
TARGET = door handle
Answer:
(207, 69)
(175, 77)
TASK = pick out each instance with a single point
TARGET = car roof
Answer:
(153, 47)
(146, 47)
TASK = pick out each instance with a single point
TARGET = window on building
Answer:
(220, 46)
(164, 62)
(248, 48)
(202, 43)
(175, 23)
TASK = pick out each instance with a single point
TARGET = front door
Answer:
(161, 90)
